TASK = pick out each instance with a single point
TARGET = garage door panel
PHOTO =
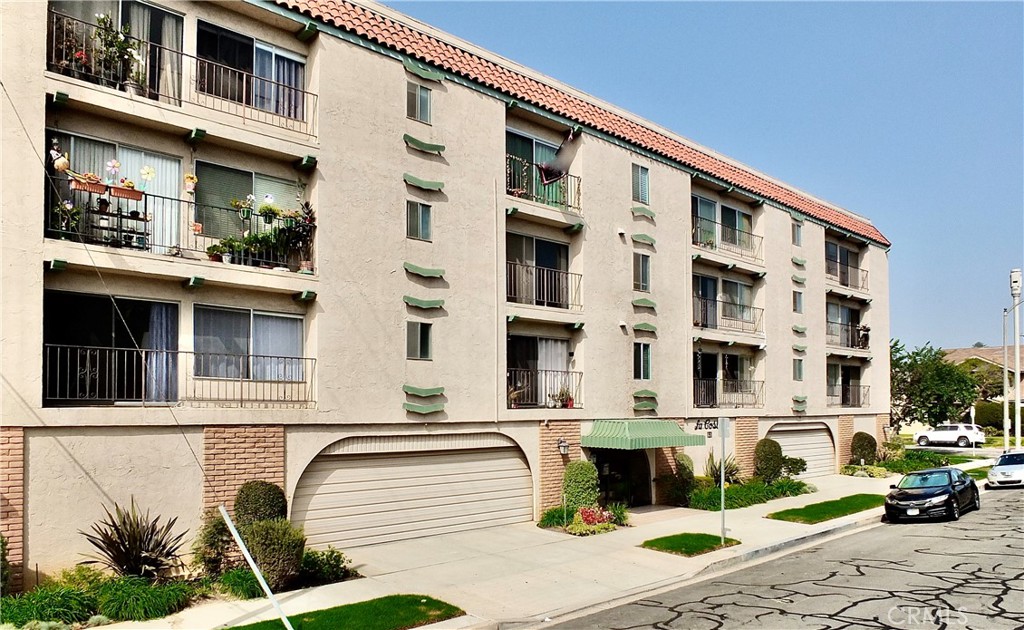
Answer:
(813, 444)
(351, 500)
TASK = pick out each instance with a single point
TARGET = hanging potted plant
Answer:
(244, 206)
(190, 183)
(269, 212)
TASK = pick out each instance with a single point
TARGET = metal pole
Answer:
(255, 569)
(1006, 389)
(721, 468)
(1015, 278)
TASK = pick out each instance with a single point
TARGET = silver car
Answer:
(1008, 471)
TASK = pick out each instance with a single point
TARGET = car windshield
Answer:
(1011, 459)
(925, 480)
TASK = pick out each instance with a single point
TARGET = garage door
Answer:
(811, 442)
(363, 499)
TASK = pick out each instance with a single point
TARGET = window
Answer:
(737, 300)
(736, 227)
(417, 340)
(798, 234)
(220, 185)
(641, 185)
(537, 272)
(523, 155)
(241, 69)
(642, 361)
(705, 216)
(246, 344)
(798, 301)
(641, 272)
(798, 369)
(417, 102)
(417, 220)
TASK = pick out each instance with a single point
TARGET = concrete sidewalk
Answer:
(520, 574)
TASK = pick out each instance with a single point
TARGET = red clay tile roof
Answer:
(386, 32)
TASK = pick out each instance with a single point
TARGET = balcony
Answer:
(174, 227)
(540, 286)
(713, 392)
(846, 275)
(172, 77)
(717, 237)
(848, 395)
(96, 376)
(525, 180)
(544, 388)
(708, 313)
(847, 335)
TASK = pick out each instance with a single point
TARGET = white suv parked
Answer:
(963, 435)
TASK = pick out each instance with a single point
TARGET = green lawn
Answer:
(827, 510)
(688, 544)
(979, 473)
(394, 612)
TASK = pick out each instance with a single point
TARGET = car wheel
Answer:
(977, 500)
(963, 442)
(954, 510)
(922, 441)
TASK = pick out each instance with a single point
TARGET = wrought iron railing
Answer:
(97, 376)
(709, 313)
(544, 388)
(846, 275)
(713, 235)
(713, 392)
(848, 395)
(171, 76)
(526, 179)
(540, 286)
(847, 335)
(166, 225)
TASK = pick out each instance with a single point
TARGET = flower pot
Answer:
(268, 218)
(126, 193)
(569, 403)
(226, 258)
(134, 214)
(245, 213)
(190, 187)
(306, 265)
(289, 222)
(216, 257)
(94, 187)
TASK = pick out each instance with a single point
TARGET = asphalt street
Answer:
(963, 574)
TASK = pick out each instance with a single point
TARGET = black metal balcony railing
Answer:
(848, 395)
(713, 235)
(540, 286)
(544, 388)
(847, 335)
(171, 76)
(96, 376)
(708, 313)
(712, 392)
(523, 179)
(846, 275)
(166, 225)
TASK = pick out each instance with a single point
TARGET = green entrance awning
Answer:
(638, 434)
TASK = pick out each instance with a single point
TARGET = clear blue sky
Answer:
(911, 114)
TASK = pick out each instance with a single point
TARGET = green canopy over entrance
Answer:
(638, 434)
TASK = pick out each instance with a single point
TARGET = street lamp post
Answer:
(1015, 279)
(1006, 389)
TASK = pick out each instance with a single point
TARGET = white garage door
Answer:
(812, 443)
(363, 499)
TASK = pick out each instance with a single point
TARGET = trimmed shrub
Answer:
(323, 567)
(703, 481)
(241, 583)
(620, 513)
(915, 460)
(768, 460)
(877, 472)
(210, 548)
(132, 543)
(276, 546)
(793, 466)
(743, 495)
(259, 500)
(989, 414)
(678, 485)
(579, 484)
(863, 447)
(48, 603)
(82, 577)
(558, 516)
(682, 459)
(5, 567)
(136, 599)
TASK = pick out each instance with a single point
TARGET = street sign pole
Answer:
(723, 429)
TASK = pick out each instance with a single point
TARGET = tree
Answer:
(988, 376)
(926, 388)
(978, 344)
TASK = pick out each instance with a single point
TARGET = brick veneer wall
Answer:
(844, 452)
(552, 463)
(881, 424)
(12, 499)
(233, 455)
(745, 441)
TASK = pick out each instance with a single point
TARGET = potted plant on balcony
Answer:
(136, 84)
(513, 396)
(232, 248)
(300, 235)
(244, 206)
(269, 212)
(563, 398)
(216, 252)
(117, 52)
(67, 216)
(190, 183)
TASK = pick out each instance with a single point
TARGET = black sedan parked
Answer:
(939, 492)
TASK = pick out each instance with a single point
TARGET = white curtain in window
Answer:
(162, 202)
(221, 342)
(169, 59)
(552, 364)
(277, 348)
(291, 81)
(161, 344)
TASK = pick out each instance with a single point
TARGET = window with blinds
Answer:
(219, 185)
(641, 185)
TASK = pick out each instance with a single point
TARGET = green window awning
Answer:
(638, 434)
(800, 262)
(422, 392)
(645, 327)
(423, 184)
(644, 303)
(422, 71)
(420, 145)
(642, 211)
(411, 301)
(423, 410)
(425, 272)
(644, 239)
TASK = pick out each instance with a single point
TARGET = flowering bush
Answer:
(579, 528)
(594, 515)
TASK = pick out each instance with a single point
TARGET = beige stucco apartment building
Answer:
(460, 324)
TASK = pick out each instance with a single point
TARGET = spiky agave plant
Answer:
(132, 543)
